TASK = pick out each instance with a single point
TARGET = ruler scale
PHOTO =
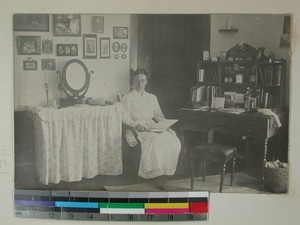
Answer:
(112, 206)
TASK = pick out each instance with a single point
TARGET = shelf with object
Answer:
(262, 79)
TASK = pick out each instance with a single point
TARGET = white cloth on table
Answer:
(76, 142)
(160, 151)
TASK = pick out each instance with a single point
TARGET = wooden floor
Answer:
(25, 179)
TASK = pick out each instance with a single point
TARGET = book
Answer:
(162, 125)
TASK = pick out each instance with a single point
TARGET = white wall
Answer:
(111, 76)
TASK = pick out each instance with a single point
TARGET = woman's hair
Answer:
(141, 71)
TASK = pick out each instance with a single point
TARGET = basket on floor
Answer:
(276, 180)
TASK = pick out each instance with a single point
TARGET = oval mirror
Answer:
(75, 78)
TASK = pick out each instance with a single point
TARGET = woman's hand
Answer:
(139, 128)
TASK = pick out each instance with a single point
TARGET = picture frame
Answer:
(47, 46)
(30, 64)
(67, 25)
(239, 78)
(120, 32)
(116, 46)
(98, 24)
(124, 47)
(223, 56)
(104, 47)
(48, 64)
(89, 46)
(29, 45)
(67, 50)
(31, 22)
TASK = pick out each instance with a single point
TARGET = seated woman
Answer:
(159, 151)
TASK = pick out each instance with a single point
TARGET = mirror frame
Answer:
(75, 93)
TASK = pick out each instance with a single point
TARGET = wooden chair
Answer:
(213, 152)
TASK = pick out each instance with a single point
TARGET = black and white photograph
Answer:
(28, 45)
(30, 64)
(66, 25)
(47, 46)
(98, 24)
(31, 22)
(144, 123)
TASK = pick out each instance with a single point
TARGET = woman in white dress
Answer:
(159, 151)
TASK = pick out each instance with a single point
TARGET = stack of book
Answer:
(204, 93)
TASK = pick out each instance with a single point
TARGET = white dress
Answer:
(160, 151)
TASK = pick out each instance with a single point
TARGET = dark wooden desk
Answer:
(250, 126)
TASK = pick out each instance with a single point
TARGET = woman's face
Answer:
(140, 81)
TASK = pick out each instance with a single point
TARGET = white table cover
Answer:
(76, 142)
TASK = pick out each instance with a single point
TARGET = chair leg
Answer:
(222, 177)
(232, 171)
(192, 173)
(203, 162)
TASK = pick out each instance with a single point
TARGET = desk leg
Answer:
(264, 163)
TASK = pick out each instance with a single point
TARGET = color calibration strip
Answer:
(111, 206)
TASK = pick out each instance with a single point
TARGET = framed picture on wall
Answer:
(30, 64)
(89, 46)
(104, 47)
(29, 45)
(98, 24)
(67, 50)
(120, 32)
(47, 46)
(48, 64)
(66, 24)
(31, 22)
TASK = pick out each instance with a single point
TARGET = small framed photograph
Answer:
(98, 24)
(47, 46)
(67, 50)
(48, 64)
(31, 22)
(120, 32)
(89, 46)
(66, 24)
(104, 47)
(123, 56)
(30, 64)
(29, 45)
(223, 56)
(116, 46)
(239, 78)
(124, 47)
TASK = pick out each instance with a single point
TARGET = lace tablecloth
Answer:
(76, 142)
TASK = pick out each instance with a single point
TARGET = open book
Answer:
(162, 125)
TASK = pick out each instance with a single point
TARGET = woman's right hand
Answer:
(139, 128)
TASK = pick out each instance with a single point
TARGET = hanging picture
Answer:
(104, 47)
(47, 46)
(66, 25)
(124, 47)
(48, 64)
(29, 45)
(120, 32)
(89, 46)
(116, 46)
(31, 22)
(98, 24)
(67, 50)
(30, 64)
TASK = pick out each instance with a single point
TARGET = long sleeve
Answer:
(158, 115)
(126, 107)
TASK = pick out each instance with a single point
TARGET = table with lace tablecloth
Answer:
(77, 142)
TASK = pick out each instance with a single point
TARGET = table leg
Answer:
(264, 164)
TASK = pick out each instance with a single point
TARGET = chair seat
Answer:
(213, 151)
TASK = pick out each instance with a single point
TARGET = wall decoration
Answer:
(123, 56)
(47, 46)
(104, 47)
(285, 36)
(223, 56)
(67, 50)
(29, 45)
(31, 22)
(66, 24)
(123, 47)
(29, 64)
(116, 56)
(116, 46)
(48, 64)
(120, 32)
(89, 46)
(98, 24)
